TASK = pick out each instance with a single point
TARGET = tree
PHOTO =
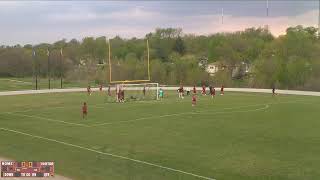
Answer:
(179, 46)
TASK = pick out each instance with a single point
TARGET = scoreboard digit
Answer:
(27, 169)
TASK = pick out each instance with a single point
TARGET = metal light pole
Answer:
(48, 54)
(222, 15)
(35, 67)
(61, 59)
(267, 11)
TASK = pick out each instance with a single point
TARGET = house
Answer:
(237, 71)
(212, 68)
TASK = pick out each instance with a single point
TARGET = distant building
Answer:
(203, 62)
(212, 68)
(238, 71)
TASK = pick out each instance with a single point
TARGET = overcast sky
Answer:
(49, 21)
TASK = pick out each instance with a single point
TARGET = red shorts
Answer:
(84, 112)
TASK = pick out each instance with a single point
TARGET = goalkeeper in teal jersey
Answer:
(161, 93)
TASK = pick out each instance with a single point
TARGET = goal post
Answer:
(111, 79)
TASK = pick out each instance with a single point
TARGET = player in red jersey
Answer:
(84, 110)
(194, 90)
(194, 100)
(222, 90)
(89, 90)
(100, 88)
(180, 91)
(204, 90)
(212, 91)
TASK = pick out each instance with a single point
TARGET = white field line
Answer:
(48, 119)
(184, 113)
(102, 105)
(143, 118)
(108, 154)
(133, 120)
(49, 108)
(250, 110)
(98, 105)
(13, 80)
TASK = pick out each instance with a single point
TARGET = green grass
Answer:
(236, 137)
(27, 83)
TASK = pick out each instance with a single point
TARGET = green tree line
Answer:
(290, 61)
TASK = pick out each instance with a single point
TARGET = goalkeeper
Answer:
(161, 93)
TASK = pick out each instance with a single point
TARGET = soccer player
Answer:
(109, 91)
(222, 90)
(117, 94)
(144, 91)
(180, 90)
(122, 95)
(161, 93)
(194, 90)
(84, 110)
(194, 100)
(204, 90)
(89, 90)
(273, 90)
(100, 88)
(212, 91)
(188, 91)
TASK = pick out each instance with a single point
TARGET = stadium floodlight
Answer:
(125, 80)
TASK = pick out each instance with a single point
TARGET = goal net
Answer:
(133, 92)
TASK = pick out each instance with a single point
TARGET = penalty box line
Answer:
(185, 113)
(48, 119)
(109, 154)
(150, 117)
(267, 105)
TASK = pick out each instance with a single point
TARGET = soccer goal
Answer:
(134, 92)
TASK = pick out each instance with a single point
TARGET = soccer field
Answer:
(239, 136)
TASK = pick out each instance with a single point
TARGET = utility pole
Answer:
(35, 67)
(61, 59)
(267, 11)
(48, 54)
(221, 15)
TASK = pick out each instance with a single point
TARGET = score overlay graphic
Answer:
(27, 169)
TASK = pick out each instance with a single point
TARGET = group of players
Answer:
(120, 94)
(119, 91)
(212, 92)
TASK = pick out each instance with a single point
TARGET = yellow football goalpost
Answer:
(128, 81)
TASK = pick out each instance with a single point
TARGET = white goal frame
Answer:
(155, 87)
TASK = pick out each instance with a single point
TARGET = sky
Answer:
(34, 22)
